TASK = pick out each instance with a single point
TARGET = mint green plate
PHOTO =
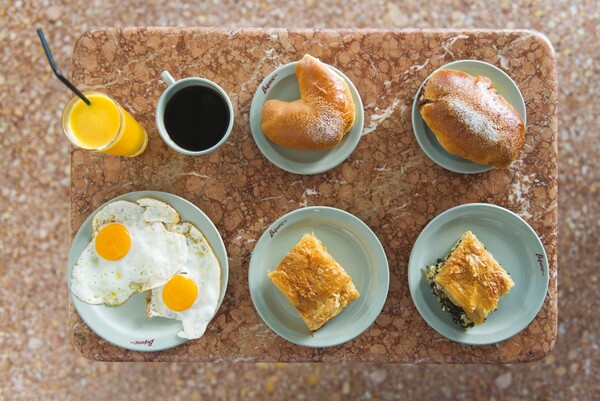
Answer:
(352, 244)
(427, 139)
(512, 242)
(282, 84)
(127, 325)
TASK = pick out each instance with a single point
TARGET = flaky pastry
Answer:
(316, 285)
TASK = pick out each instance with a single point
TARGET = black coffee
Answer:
(196, 118)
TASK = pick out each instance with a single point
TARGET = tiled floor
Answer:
(38, 362)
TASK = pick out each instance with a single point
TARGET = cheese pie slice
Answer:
(315, 284)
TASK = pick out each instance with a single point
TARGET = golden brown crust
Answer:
(471, 119)
(316, 285)
(320, 118)
(473, 279)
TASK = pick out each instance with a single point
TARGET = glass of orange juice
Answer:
(103, 126)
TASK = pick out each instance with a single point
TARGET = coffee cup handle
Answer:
(167, 78)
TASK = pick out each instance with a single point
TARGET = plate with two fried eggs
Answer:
(147, 271)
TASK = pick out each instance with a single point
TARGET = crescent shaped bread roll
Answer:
(471, 119)
(320, 118)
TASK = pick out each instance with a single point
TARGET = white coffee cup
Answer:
(174, 88)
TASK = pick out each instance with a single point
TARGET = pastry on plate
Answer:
(468, 281)
(315, 284)
(471, 119)
(320, 118)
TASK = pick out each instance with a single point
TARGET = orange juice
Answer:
(103, 126)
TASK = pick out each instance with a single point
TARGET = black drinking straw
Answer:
(55, 69)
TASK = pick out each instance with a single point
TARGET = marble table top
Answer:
(388, 182)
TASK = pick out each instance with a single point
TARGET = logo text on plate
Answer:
(266, 87)
(143, 342)
(277, 227)
(540, 260)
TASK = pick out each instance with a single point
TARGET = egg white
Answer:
(203, 267)
(155, 255)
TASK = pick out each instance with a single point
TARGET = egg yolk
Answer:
(179, 293)
(113, 242)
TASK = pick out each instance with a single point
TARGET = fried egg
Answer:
(192, 295)
(130, 251)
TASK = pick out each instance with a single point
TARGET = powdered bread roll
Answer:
(320, 118)
(471, 119)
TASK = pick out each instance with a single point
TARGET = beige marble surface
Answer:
(387, 182)
(38, 360)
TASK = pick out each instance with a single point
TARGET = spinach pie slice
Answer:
(468, 281)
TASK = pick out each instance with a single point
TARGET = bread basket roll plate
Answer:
(282, 84)
(427, 139)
